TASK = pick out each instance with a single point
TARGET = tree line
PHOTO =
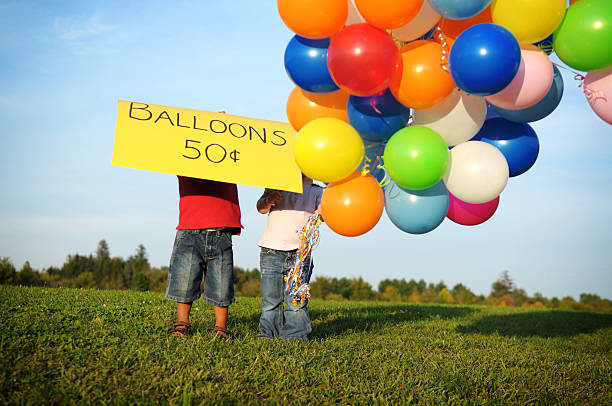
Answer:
(101, 271)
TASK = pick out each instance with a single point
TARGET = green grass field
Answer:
(68, 346)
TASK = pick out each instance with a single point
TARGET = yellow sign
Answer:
(202, 144)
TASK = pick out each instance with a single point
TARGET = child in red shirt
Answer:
(209, 214)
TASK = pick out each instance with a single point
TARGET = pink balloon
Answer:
(598, 91)
(469, 214)
(531, 83)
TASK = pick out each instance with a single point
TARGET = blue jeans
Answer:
(289, 321)
(198, 253)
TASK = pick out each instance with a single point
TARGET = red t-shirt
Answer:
(208, 204)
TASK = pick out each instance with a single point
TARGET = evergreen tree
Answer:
(27, 276)
(502, 286)
(8, 273)
(102, 252)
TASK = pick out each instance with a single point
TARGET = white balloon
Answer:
(457, 119)
(477, 172)
(419, 25)
(353, 14)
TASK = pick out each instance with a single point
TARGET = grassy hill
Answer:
(67, 346)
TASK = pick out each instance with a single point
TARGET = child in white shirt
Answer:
(287, 212)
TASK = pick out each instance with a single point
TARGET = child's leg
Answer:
(271, 267)
(297, 318)
(221, 316)
(185, 273)
(219, 281)
(182, 312)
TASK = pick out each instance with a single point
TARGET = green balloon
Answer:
(416, 157)
(584, 38)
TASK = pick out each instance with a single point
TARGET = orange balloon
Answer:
(352, 206)
(303, 106)
(573, 1)
(422, 83)
(388, 14)
(452, 28)
(313, 18)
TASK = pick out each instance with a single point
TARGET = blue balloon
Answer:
(374, 160)
(484, 59)
(459, 9)
(416, 211)
(306, 64)
(517, 141)
(491, 112)
(377, 118)
(539, 110)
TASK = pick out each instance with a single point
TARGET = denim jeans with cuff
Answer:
(197, 254)
(277, 321)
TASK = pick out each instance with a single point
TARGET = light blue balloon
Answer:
(539, 110)
(459, 9)
(416, 211)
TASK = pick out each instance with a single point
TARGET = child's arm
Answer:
(267, 200)
(318, 211)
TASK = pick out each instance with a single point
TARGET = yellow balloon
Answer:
(529, 20)
(328, 149)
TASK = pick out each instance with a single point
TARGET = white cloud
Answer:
(75, 29)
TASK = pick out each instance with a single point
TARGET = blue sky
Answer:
(65, 65)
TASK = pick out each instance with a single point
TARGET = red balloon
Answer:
(362, 59)
(469, 214)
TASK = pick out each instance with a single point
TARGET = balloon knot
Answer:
(373, 105)
(594, 94)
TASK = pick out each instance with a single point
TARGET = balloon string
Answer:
(577, 76)
(378, 156)
(589, 92)
(444, 49)
(373, 102)
(386, 179)
(545, 47)
(366, 165)
(398, 42)
(297, 287)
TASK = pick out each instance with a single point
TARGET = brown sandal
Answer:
(221, 333)
(180, 329)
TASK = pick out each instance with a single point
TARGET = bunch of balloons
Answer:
(436, 94)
